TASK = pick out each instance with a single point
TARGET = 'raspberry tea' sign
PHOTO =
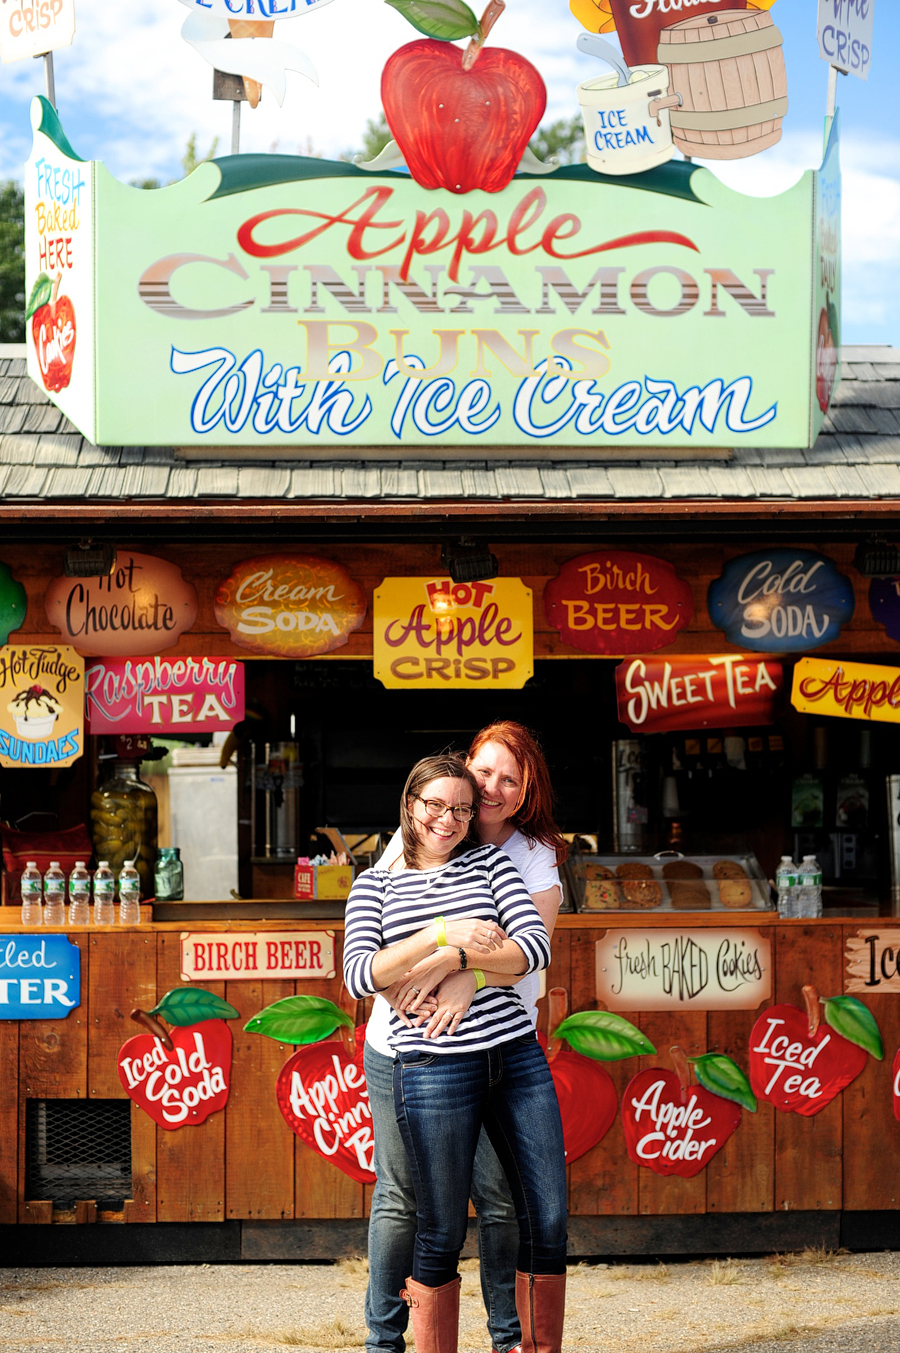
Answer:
(434, 634)
(618, 602)
(781, 601)
(657, 695)
(683, 969)
(164, 695)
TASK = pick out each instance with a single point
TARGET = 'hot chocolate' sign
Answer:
(144, 606)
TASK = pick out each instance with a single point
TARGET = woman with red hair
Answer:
(515, 813)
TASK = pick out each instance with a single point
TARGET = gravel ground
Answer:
(816, 1302)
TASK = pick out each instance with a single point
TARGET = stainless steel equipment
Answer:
(893, 812)
(630, 813)
(277, 781)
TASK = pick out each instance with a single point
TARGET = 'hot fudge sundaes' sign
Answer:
(41, 705)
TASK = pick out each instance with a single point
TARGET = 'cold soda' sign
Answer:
(781, 601)
(40, 977)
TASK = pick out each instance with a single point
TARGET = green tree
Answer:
(375, 137)
(12, 263)
(189, 162)
(563, 138)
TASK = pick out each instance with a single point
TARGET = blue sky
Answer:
(130, 91)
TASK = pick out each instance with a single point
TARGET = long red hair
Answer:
(534, 811)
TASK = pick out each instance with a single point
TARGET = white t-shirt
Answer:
(537, 865)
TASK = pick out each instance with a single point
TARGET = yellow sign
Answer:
(41, 705)
(434, 634)
(847, 690)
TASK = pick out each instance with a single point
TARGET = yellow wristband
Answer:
(441, 929)
(480, 979)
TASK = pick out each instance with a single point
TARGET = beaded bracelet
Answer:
(463, 960)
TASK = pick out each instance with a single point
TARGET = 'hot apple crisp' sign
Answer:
(484, 301)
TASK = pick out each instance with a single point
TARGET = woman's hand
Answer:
(478, 937)
(422, 979)
(454, 996)
(392, 995)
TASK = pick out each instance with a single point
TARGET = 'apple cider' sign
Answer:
(290, 605)
(683, 969)
(658, 695)
(434, 634)
(617, 602)
(143, 606)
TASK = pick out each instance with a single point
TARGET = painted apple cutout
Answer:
(180, 1076)
(462, 120)
(799, 1065)
(673, 1130)
(826, 360)
(53, 331)
(895, 1071)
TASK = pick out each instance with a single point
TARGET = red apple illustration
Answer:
(826, 360)
(53, 331)
(800, 1066)
(462, 120)
(180, 1077)
(585, 1090)
(674, 1127)
(322, 1094)
(321, 1089)
(895, 1071)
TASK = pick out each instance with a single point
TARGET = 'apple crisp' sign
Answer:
(683, 969)
(294, 302)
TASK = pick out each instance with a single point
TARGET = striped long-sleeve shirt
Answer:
(483, 884)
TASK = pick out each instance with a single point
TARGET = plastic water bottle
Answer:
(32, 910)
(786, 884)
(129, 895)
(54, 895)
(809, 888)
(79, 895)
(104, 894)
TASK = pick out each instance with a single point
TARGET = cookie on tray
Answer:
(729, 869)
(634, 871)
(601, 894)
(682, 869)
(690, 896)
(735, 893)
(641, 893)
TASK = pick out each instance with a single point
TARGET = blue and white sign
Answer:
(40, 976)
(845, 35)
(781, 601)
(884, 603)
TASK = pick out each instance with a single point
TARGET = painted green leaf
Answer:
(603, 1036)
(192, 1005)
(447, 20)
(40, 294)
(299, 1019)
(855, 1022)
(721, 1076)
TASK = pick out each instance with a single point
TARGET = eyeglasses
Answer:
(434, 808)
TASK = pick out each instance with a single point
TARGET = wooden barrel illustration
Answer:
(729, 70)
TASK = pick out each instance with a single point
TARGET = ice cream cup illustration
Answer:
(35, 711)
(251, 28)
(626, 127)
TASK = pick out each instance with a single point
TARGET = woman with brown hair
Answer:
(515, 814)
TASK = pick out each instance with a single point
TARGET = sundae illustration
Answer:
(35, 712)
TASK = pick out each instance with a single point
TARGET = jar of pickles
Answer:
(124, 822)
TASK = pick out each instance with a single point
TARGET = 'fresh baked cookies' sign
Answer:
(41, 705)
(683, 969)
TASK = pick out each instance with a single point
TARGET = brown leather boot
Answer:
(434, 1312)
(541, 1305)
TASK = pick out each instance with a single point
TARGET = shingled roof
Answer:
(43, 458)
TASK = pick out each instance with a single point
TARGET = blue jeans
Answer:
(442, 1101)
(392, 1227)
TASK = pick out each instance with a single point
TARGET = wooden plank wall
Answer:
(208, 565)
(245, 1162)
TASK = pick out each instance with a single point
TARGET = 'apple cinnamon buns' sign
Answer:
(614, 601)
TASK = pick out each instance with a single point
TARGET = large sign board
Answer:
(311, 304)
(34, 27)
(40, 976)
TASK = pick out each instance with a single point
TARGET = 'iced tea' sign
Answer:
(41, 705)
(33, 27)
(848, 690)
(781, 601)
(657, 695)
(164, 695)
(683, 969)
(618, 602)
(40, 976)
(873, 962)
(254, 957)
(434, 634)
